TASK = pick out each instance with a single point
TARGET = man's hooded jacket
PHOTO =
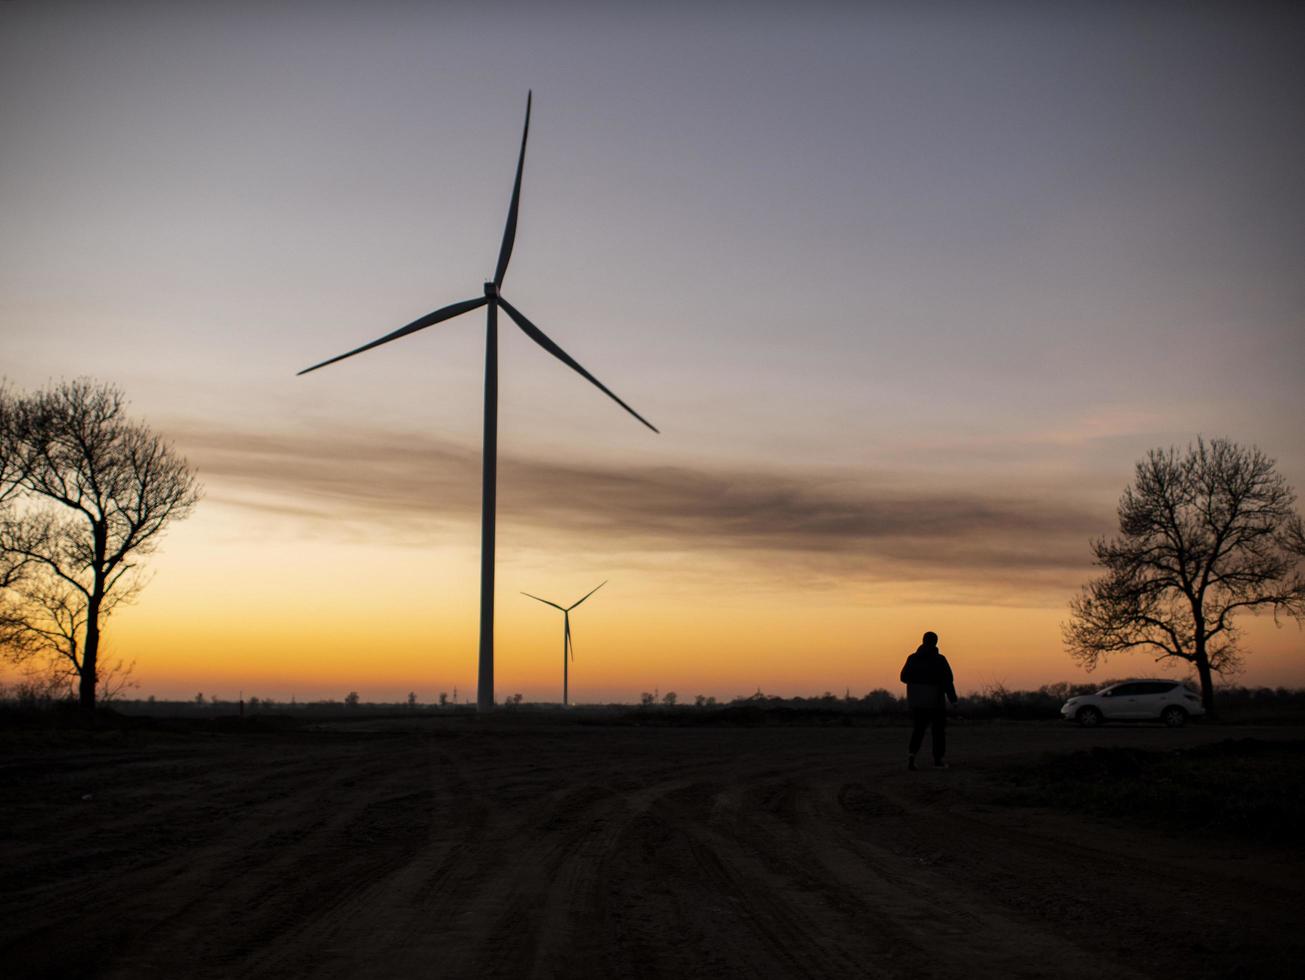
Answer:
(928, 678)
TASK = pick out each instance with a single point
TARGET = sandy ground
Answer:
(491, 851)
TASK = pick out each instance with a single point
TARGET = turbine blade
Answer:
(443, 313)
(510, 231)
(544, 601)
(542, 339)
(586, 596)
(570, 643)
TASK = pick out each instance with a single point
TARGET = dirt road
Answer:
(492, 851)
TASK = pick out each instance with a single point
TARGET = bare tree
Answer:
(86, 493)
(1203, 536)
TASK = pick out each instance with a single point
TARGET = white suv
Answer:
(1167, 701)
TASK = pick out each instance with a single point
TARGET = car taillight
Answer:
(1191, 697)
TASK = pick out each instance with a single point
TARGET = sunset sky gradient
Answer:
(907, 288)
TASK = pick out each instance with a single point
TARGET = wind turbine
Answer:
(567, 645)
(492, 300)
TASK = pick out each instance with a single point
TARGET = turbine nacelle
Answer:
(491, 290)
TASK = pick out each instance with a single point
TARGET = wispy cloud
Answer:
(845, 523)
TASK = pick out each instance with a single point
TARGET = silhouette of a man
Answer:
(928, 680)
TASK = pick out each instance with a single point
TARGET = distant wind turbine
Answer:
(568, 648)
(492, 300)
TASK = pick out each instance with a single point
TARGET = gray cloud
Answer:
(839, 522)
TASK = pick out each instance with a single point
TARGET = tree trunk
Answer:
(91, 648)
(90, 657)
(1206, 675)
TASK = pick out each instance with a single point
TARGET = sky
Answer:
(908, 289)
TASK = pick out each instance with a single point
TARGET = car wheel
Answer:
(1088, 717)
(1174, 716)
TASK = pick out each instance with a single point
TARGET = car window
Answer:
(1158, 687)
(1128, 690)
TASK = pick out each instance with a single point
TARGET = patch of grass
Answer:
(1251, 789)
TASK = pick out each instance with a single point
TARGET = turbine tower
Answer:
(567, 646)
(492, 300)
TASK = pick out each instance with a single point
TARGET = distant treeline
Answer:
(1235, 703)
(1240, 704)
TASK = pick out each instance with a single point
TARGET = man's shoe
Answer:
(910, 763)
(941, 765)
